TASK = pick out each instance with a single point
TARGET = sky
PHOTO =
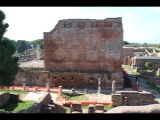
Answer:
(140, 24)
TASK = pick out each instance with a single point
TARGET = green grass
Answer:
(158, 49)
(16, 106)
(128, 69)
(77, 97)
(153, 86)
(14, 91)
(148, 70)
(86, 107)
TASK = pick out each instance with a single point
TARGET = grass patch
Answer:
(86, 107)
(76, 97)
(16, 106)
(128, 69)
(14, 91)
(153, 86)
(158, 49)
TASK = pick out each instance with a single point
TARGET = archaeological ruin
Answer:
(77, 52)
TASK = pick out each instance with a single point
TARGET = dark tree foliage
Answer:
(125, 42)
(21, 46)
(8, 62)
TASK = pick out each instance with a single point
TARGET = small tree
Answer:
(148, 65)
(8, 62)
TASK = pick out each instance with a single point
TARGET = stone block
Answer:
(4, 98)
(76, 107)
(91, 108)
(116, 99)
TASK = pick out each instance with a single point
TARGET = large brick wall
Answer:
(84, 44)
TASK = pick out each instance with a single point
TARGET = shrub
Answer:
(148, 65)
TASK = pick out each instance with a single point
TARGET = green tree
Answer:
(22, 46)
(125, 42)
(38, 41)
(8, 62)
(148, 65)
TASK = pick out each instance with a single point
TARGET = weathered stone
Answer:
(91, 108)
(4, 98)
(116, 99)
(76, 107)
(75, 40)
(154, 108)
(99, 108)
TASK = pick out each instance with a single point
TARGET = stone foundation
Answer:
(69, 79)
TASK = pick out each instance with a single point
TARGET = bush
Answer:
(148, 65)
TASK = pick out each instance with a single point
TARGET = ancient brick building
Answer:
(77, 52)
(88, 48)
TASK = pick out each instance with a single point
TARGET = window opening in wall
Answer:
(30, 76)
(63, 77)
(109, 78)
(55, 77)
(72, 78)
(37, 77)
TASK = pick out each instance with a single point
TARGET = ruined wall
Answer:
(69, 79)
(84, 44)
(133, 98)
(128, 51)
(139, 61)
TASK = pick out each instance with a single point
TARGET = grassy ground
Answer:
(158, 49)
(14, 91)
(153, 86)
(78, 97)
(128, 69)
(16, 106)
(86, 107)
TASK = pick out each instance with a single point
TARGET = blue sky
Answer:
(140, 24)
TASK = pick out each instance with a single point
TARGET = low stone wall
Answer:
(132, 98)
(147, 74)
(154, 108)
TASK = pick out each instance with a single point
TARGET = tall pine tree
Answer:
(8, 62)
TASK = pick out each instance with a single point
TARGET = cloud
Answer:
(156, 9)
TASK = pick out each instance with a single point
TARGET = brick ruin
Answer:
(78, 51)
(139, 61)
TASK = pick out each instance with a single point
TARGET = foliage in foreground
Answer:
(8, 62)
(16, 106)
